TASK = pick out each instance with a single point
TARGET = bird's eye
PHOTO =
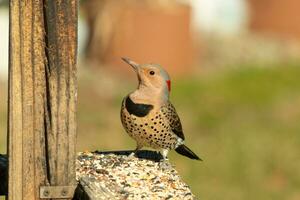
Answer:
(151, 72)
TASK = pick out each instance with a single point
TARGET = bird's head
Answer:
(152, 76)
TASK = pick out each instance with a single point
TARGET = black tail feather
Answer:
(185, 151)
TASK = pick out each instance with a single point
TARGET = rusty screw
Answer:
(63, 192)
(46, 193)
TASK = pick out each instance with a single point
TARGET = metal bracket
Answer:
(57, 192)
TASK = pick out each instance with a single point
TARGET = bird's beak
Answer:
(133, 64)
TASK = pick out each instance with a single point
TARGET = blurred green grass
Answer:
(247, 124)
(243, 122)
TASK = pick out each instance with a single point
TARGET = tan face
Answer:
(151, 75)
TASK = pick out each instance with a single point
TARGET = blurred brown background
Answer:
(276, 17)
(154, 31)
(235, 69)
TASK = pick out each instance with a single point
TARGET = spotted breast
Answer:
(155, 128)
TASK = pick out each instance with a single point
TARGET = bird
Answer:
(149, 117)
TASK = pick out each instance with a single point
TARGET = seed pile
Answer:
(128, 177)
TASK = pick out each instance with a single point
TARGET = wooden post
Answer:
(42, 99)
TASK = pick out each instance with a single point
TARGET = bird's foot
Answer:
(132, 155)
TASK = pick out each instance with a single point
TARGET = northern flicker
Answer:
(149, 117)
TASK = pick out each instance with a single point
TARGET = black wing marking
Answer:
(137, 109)
(174, 120)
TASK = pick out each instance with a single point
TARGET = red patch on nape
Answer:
(169, 85)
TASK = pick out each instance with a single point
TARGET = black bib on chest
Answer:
(137, 109)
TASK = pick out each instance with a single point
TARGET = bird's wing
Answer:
(173, 119)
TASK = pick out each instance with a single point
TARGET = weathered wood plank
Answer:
(26, 100)
(42, 96)
(32, 132)
(15, 104)
(89, 189)
(61, 72)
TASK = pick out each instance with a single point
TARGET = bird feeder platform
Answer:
(116, 175)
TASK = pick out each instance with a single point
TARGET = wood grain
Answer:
(42, 96)
(62, 89)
